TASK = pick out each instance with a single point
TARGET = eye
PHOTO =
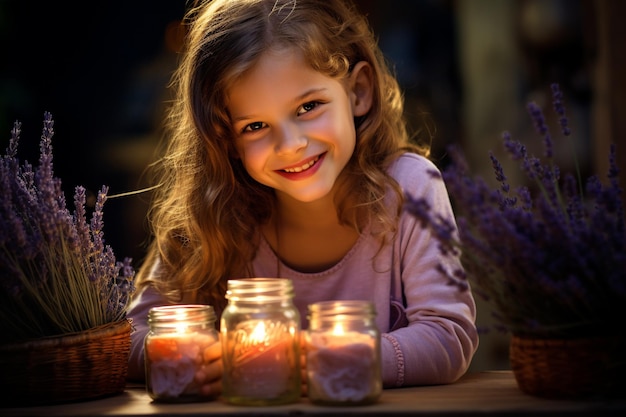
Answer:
(252, 127)
(307, 107)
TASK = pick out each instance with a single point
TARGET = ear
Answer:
(361, 85)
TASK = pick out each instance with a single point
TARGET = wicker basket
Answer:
(569, 368)
(74, 367)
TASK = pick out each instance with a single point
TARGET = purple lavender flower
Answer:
(542, 128)
(559, 108)
(550, 255)
(58, 276)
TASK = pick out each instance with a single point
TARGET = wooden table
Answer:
(477, 394)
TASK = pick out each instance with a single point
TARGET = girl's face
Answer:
(294, 126)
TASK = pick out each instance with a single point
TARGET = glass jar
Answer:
(174, 352)
(343, 353)
(260, 330)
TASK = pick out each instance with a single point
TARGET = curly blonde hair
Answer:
(207, 209)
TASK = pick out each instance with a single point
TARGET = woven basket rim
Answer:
(66, 368)
(68, 339)
(569, 368)
(533, 342)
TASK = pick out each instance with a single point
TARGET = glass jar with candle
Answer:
(260, 329)
(343, 353)
(174, 352)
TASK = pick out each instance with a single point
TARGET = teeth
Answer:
(303, 167)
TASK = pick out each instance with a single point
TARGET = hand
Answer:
(209, 377)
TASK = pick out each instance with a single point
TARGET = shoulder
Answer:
(409, 161)
(414, 172)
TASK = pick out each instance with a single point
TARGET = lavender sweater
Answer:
(428, 327)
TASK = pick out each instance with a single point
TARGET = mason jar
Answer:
(260, 330)
(343, 364)
(174, 352)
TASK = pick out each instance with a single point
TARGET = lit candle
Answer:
(260, 343)
(263, 361)
(174, 351)
(343, 354)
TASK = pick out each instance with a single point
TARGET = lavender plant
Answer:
(550, 255)
(57, 274)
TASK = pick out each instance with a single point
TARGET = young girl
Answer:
(288, 156)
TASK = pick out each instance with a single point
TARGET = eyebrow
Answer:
(301, 97)
(310, 92)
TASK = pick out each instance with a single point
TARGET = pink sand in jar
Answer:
(176, 363)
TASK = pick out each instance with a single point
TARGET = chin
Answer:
(311, 196)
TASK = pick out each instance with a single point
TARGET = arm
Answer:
(440, 339)
(210, 379)
(138, 313)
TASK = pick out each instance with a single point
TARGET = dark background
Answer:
(468, 68)
(102, 72)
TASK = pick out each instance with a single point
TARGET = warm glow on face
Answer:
(294, 126)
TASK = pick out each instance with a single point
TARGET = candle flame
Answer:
(258, 335)
(181, 328)
(181, 321)
(338, 329)
(251, 341)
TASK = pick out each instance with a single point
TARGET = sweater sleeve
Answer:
(440, 338)
(138, 313)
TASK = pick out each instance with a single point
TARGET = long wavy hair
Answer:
(207, 210)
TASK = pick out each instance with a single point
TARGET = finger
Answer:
(213, 352)
(209, 377)
(214, 369)
(211, 389)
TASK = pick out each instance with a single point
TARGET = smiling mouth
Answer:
(303, 167)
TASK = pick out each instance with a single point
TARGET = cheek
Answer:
(344, 131)
(253, 156)
(336, 125)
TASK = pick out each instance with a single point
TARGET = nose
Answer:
(290, 139)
